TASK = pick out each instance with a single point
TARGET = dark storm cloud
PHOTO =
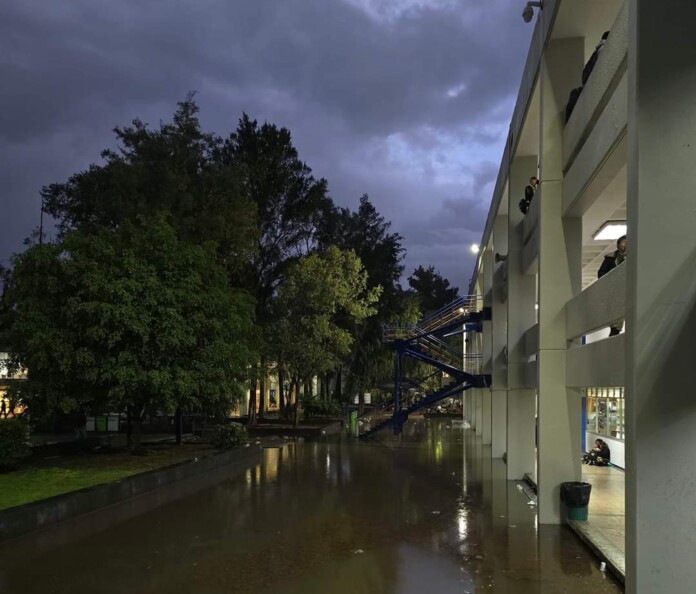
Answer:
(408, 101)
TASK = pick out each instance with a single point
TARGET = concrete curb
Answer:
(31, 517)
(600, 546)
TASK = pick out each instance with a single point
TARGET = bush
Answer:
(230, 436)
(313, 407)
(13, 443)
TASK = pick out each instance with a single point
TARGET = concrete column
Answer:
(661, 299)
(498, 423)
(488, 269)
(499, 342)
(486, 417)
(478, 421)
(521, 406)
(560, 277)
(521, 401)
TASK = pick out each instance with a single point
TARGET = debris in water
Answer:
(436, 512)
(358, 552)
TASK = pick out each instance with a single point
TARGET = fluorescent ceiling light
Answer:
(610, 230)
(474, 248)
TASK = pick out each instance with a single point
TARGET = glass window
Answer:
(605, 412)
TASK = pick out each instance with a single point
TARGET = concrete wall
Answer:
(25, 519)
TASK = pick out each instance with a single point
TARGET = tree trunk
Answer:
(281, 393)
(136, 422)
(262, 391)
(361, 403)
(296, 420)
(179, 425)
(338, 389)
(129, 427)
(252, 399)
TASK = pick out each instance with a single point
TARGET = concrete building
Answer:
(625, 156)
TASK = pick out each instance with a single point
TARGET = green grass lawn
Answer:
(38, 479)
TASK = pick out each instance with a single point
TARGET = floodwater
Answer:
(428, 514)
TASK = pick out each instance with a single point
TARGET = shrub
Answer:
(230, 436)
(313, 407)
(13, 443)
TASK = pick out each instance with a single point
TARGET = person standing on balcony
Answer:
(608, 264)
(529, 194)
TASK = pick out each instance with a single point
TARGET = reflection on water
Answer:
(425, 513)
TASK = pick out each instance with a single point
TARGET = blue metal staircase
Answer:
(424, 342)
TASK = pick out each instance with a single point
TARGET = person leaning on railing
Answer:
(528, 194)
(608, 264)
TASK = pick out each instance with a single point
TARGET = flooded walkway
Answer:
(429, 514)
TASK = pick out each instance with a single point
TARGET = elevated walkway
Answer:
(425, 342)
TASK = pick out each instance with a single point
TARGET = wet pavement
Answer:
(428, 514)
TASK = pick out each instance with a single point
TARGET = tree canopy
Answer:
(175, 168)
(318, 289)
(132, 318)
(433, 290)
(185, 261)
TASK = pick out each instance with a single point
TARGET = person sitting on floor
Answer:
(600, 455)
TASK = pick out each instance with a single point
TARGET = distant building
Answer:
(8, 409)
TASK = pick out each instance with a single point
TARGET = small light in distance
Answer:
(474, 248)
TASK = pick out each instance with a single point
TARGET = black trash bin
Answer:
(576, 496)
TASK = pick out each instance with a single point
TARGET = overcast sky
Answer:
(408, 101)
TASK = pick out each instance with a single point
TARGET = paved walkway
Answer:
(604, 530)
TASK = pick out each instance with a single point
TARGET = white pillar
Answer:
(521, 400)
(560, 277)
(486, 416)
(487, 269)
(499, 342)
(520, 431)
(478, 421)
(661, 299)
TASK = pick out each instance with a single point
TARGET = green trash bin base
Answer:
(577, 513)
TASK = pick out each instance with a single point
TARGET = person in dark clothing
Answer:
(600, 455)
(614, 259)
(529, 194)
(608, 264)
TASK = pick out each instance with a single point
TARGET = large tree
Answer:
(369, 235)
(288, 200)
(132, 319)
(319, 290)
(433, 290)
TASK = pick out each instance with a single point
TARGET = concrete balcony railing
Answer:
(601, 157)
(600, 363)
(598, 306)
(605, 76)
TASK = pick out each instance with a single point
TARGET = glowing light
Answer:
(611, 230)
(474, 248)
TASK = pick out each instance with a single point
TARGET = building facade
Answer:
(623, 156)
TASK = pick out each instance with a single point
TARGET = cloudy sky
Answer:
(406, 100)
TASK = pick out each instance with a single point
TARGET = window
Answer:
(606, 412)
